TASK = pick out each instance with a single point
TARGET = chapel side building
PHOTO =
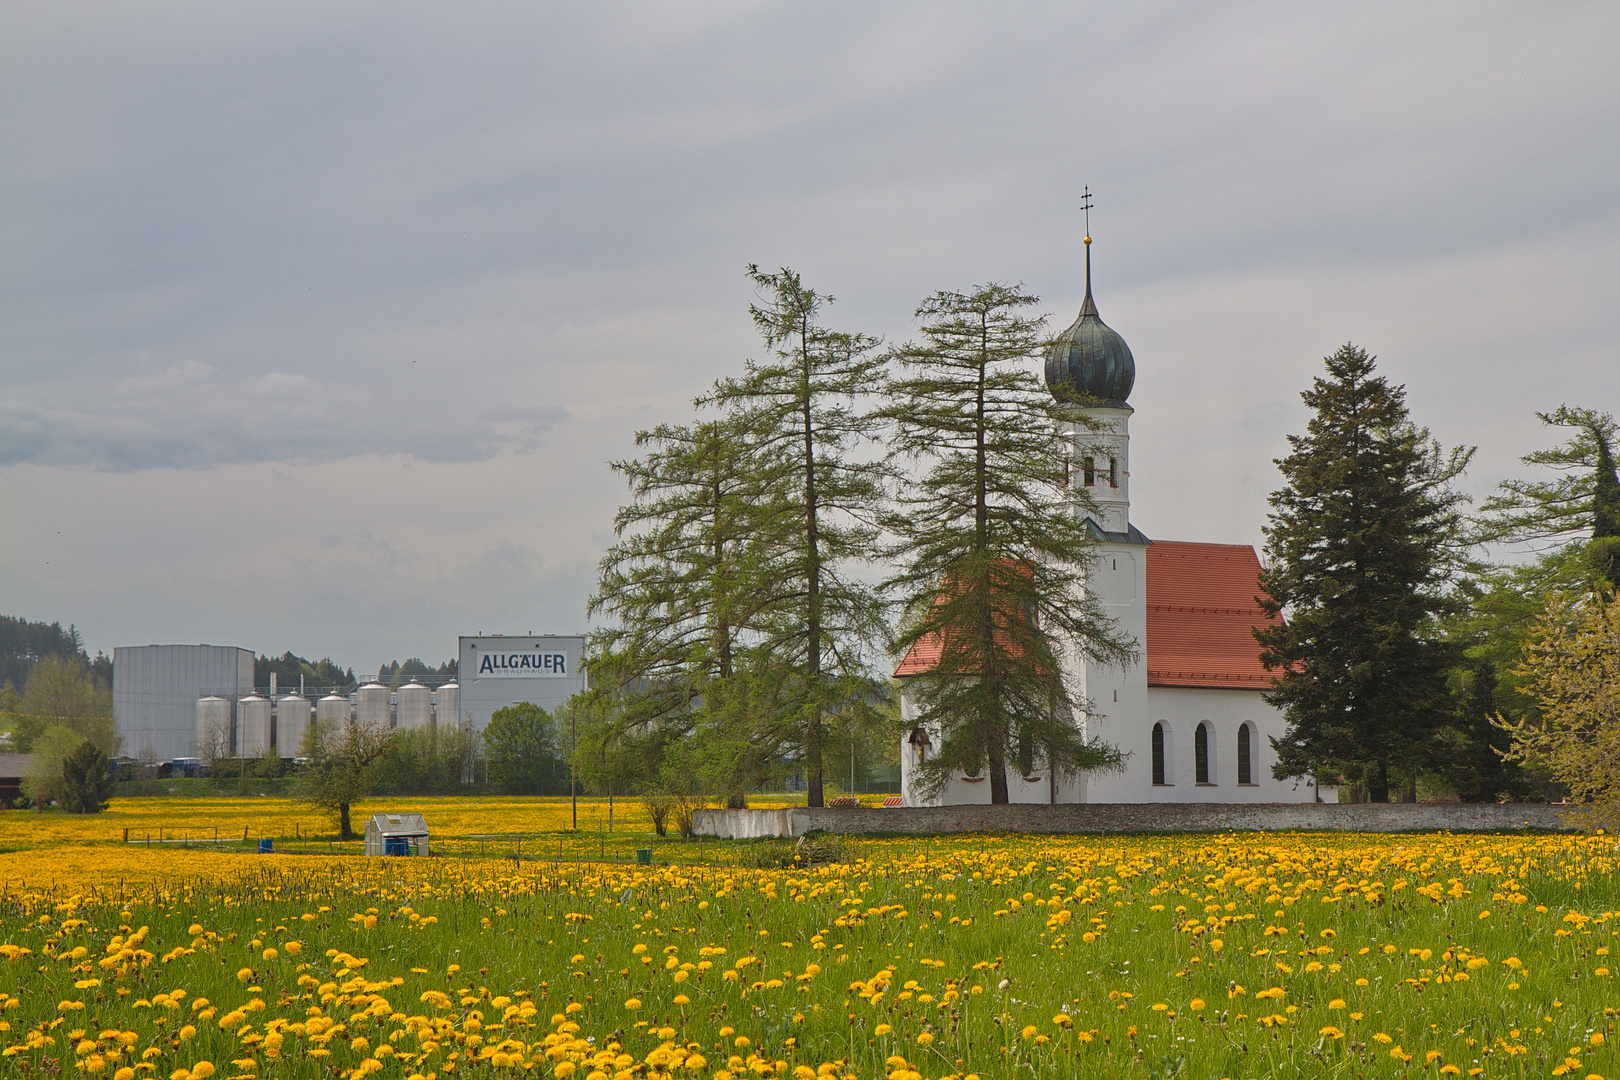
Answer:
(1189, 717)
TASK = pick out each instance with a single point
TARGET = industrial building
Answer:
(497, 671)
(199, 701)
(155, 692)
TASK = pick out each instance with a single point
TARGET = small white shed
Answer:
(397, 834)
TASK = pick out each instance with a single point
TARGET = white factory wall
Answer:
(155, 692)
(496, 671)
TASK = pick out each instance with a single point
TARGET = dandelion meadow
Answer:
(1239, 955)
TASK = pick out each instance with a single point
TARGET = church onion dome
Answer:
(1089, 364)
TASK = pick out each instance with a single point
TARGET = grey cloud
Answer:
(190, 416)
(457, 254)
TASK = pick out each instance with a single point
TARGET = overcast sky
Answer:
(319, 322)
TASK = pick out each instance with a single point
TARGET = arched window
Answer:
(1090, 471)
(1201, 754)
(1158, 755)
(1245, 769)
(1113, 472)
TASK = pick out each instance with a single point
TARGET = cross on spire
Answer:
(1089, 307)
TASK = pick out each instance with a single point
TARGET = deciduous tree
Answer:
(339, 771)
(44, 782)
(520, 743)
(1572, 665)
(60, 691)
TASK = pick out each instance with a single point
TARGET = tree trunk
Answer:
(998, 776)
(344, 832)
(812, 734)
(1378, 783)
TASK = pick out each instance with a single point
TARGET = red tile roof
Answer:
(1200, 611)
(925, 652)
(921, 657)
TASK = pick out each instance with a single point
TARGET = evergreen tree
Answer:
(22, 643)
(87, 783)
(1579, 510)
(816, 618)
(993, 551)
(1360, 544)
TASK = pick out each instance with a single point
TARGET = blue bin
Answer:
(266, 846)
(396, 845)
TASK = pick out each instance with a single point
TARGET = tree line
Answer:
(838, 502)
(834, 503)
(1410, 661)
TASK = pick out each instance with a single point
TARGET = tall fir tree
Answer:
(993, 554)
(802, 405)
(1362, 542)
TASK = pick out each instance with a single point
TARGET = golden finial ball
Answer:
(1088, 240)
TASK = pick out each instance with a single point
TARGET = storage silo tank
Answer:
(292, 724)
(333, 709)
(447, 705)
(371, 706)
(214, 735)
(415, 706)
(252, 726)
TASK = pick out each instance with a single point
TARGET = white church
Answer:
(1189, 717)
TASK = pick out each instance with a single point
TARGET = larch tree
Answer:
(802, 406)
(681, 589)
(1570, 524)
(1362, 541)
(991, 548)
(1577, 513)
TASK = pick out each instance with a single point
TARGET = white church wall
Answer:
(1181, 710)
(968, 790)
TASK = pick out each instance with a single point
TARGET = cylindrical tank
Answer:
(415, 706)
(447, 705)
(292, 723)
(331, 710)
(252, 726)
(371, 706)
(214, 727)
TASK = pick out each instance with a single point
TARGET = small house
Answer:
(397, 834)
(13, 769)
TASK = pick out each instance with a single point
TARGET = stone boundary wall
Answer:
(1136, 818)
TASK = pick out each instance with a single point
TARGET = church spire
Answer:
(1088, 363)
(1090, 306)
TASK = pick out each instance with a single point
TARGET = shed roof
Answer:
(1201, 611)
(399, 824)
(15, 766)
